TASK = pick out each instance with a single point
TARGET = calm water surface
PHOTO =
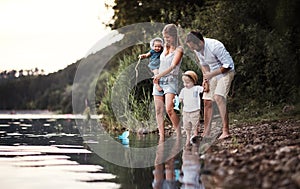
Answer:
(65, 158)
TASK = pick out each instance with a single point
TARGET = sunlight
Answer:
(49, 35)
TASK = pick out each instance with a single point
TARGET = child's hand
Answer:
(141, 56)
(156, 77)
(205, 85)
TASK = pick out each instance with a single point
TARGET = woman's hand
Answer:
(156, 78)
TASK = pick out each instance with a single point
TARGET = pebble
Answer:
(265, 156)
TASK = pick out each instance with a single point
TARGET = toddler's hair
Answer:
(156, 39)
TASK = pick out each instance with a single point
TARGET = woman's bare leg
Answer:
(159, 112)
(171, 112)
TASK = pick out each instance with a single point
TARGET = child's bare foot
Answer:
(158, 87)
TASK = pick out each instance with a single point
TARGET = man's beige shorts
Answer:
(219, 86)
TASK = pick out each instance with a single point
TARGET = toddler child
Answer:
(190, 97)
(156, 46)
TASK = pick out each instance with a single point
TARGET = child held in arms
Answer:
(156, 46)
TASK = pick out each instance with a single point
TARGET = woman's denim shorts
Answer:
(168, 84)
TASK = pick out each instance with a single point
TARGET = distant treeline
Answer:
(13, 74)
(34, 90)
(261, 35)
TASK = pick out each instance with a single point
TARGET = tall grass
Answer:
(127, 103)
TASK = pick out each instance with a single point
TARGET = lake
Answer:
(48, 151)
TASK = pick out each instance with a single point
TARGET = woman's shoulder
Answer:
(179, 49)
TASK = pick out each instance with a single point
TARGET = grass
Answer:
(272, 113)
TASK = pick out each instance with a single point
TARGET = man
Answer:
(218, 70)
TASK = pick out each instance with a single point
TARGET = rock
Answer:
(285, 149)
(288, 108)
(266, 183)
(292, 163)
(265, 155)
(296, 178)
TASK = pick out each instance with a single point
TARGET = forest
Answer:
(34, 90)
(262, 37)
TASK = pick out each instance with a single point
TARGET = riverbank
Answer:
(258, 155)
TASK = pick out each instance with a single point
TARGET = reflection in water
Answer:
(37, 166)
(165, 174)
(64, 134)
(191, 168)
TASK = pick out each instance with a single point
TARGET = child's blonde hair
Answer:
(192, 75)
(156, 39)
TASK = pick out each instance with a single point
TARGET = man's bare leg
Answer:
(221, 102)
(208, 111)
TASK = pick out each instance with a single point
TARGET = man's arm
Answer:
(224, 57)
(209, 75)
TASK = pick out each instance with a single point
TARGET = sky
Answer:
(49, 34)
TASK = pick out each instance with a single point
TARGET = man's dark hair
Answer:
(194, 37)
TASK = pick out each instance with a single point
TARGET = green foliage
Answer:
(135, 11)
(120, 92)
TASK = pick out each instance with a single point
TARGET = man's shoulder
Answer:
(211, 41)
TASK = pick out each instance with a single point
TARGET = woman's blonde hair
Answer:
(171, 30)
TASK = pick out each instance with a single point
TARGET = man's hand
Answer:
(207, 76)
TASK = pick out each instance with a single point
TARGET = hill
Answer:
(52, 92)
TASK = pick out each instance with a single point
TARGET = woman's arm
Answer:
(176, 60)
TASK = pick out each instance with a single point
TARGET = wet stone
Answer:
(264, 155)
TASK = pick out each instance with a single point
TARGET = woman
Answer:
(170, 61)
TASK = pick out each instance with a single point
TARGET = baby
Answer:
(156, 46)
(190, 96)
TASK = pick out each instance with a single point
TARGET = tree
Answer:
(136, 11)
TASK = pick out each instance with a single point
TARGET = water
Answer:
(47, 153)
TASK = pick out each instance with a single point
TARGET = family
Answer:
(218, 72)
